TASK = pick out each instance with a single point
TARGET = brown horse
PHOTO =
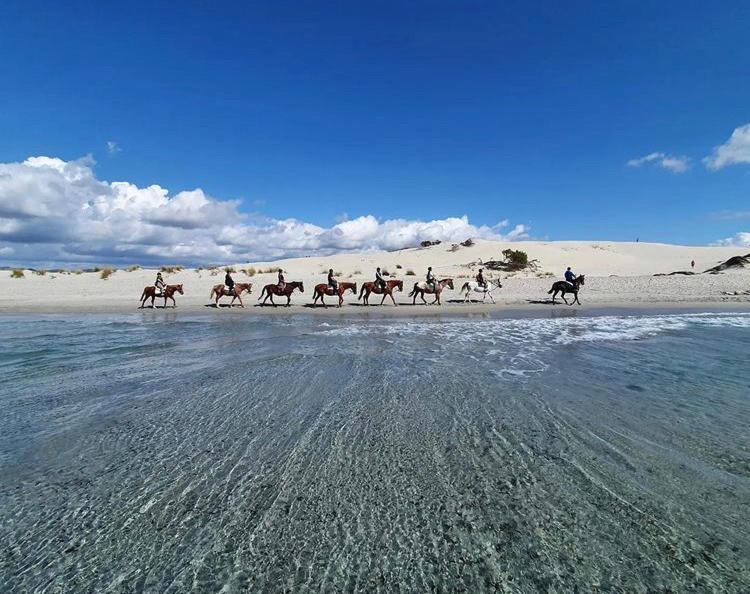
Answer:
(219, 291)
(372, 287)
(271, 290)
(421, 288)
(566, 287)
(168, 293)
(323, 289)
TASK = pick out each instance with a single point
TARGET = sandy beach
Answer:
(618, 274)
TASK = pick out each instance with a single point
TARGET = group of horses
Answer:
(322, 290)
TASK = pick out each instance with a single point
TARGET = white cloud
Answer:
(672, 163)
(113, 147)
(55, 211)
(733, 151)
(741, 239)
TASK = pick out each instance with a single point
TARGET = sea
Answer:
(161, 452)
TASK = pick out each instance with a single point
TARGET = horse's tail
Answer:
(361, 292)
(211, 296)
(143, 295)
(552, 290)
(414, 290)
(261, 294)
(465, 286)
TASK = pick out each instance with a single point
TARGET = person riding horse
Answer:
(229, 283)
(379, 280)
(480, 279)
(281, 283)
(431, 280)
(569, 275)
(332, 282)
(159, 284)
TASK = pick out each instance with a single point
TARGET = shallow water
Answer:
(162, 453)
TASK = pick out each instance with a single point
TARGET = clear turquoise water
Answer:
(168, 453)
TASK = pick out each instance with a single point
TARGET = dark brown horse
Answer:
(271, 290)
(219, 291)
(421, 288)
(566, 287)
(372, 287)
(323, 289)
(168, 293)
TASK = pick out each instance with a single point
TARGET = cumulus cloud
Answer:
(733, 151)
(672, 163)
(741, 239)
(56, 211)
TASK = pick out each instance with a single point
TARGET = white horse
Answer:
(470, 287)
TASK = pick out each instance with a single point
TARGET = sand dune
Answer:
(617, 273)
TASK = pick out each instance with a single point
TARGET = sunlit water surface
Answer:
(151, 453)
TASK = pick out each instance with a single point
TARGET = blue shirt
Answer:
(569, 276)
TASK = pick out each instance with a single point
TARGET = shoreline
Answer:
(364, 313)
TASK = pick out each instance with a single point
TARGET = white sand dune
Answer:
(618, 273)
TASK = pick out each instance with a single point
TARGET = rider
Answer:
(282, 283)
(480, 279)
(229, 283)
(379, 280)
(569, 275)
(159, 284)
(332, 282)
(431, 282)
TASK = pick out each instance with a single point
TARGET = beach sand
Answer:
(618, 274)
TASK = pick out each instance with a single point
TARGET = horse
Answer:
(168, 293)
(566, 287)
(273, 289)
(421, 288)
(324, 289)
(373, 287)
(470, 287)
(219, 291)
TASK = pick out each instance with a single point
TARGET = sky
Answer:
(197, 132)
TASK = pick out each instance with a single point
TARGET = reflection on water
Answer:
(155, 454)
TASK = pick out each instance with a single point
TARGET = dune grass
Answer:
(249, 271)
(133, 268)
(17, 273)
(171, 269)
(410, 272)
(105, 273)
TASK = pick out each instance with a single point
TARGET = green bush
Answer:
(16, 273)
(516, 259)
(106, 273)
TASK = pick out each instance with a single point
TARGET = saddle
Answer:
(229, 292)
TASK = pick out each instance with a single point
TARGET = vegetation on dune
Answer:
(358, 271)
(16, 273)
(106, 273)
(410, 272)
(270, 270)
(171, 269)
(230, 270)
(40, 272)
(249, 271)
(133, 268)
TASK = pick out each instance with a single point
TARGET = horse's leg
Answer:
(242, 305)
(392, 299)
(575, 300)
(421, 294)
(553, 297)
(288, 299)
(563, 298)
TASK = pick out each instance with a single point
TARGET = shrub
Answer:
(410, 272)
(516, 258)
(249, 271)
(214, 271)
(16, 273)
(133, 268)
(40, 272)
(79, 271)
(468, 243)
(399, 266)
(428, 243)
(271, 270)
(106, 273)
(358, 271)
(384, 272)
(171, 269)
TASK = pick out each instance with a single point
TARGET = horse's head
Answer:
(581, 279)
(448, 282)
(301, 287)
(400, 285)
(178, 288)
(354, 288)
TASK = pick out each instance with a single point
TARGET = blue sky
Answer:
(419, 110)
